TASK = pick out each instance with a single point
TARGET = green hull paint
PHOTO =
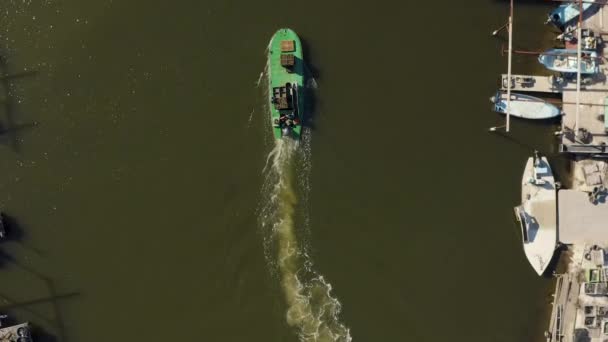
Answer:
(278, 76)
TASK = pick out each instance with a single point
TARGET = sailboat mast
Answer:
(579, 62)
(509, 66)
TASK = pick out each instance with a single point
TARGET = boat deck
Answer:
(539, 206)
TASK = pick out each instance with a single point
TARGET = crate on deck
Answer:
(288, 45)
(288, 60)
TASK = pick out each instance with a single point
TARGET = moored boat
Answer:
(566, 61)
(537, 213)
(524, 106)
(286, 84)
(565, 13)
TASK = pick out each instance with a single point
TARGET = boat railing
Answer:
(520, 215)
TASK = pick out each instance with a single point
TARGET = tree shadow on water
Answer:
(41, 335)
(53, 298)
(10, 126)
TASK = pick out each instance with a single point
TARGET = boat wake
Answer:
(311, 308)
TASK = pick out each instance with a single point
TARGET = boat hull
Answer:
(537, 214)
(565, 13)
(566, 61)
(280, 76)
(525, 106)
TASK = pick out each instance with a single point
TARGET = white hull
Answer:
(525, 106)
(538, 214)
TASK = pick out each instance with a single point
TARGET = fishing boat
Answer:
(286, 84)
(537, 214)
(567, 12)
(524, 106)
(566, 61)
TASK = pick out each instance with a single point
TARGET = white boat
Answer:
(565, 13)
(566, 61)
(524, 106)
(537, 213)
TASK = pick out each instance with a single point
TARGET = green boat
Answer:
(286, 84)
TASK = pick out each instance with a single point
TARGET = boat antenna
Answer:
(509, 62)
(578, 59)
(509, 26)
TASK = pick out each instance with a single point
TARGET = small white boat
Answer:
(565, 13)
(563, 60)
(524, 106)
(537, 214)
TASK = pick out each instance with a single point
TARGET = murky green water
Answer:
(133, 151)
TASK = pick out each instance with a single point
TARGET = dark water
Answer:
(134, 143)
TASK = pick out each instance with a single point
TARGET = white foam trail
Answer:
(311, 308)
(250, 118)
(260, 78)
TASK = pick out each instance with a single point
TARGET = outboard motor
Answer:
(285, 131)
(23, 332)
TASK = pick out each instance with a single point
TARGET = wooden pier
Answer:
(580, 302)
(532, 83)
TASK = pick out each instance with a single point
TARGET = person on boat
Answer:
(280, 122)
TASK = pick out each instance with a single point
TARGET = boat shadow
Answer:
(311, 76)
(16, 233)
(558, 263)
(533, 227)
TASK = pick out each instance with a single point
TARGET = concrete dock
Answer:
(580, 306)
(581, 222)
